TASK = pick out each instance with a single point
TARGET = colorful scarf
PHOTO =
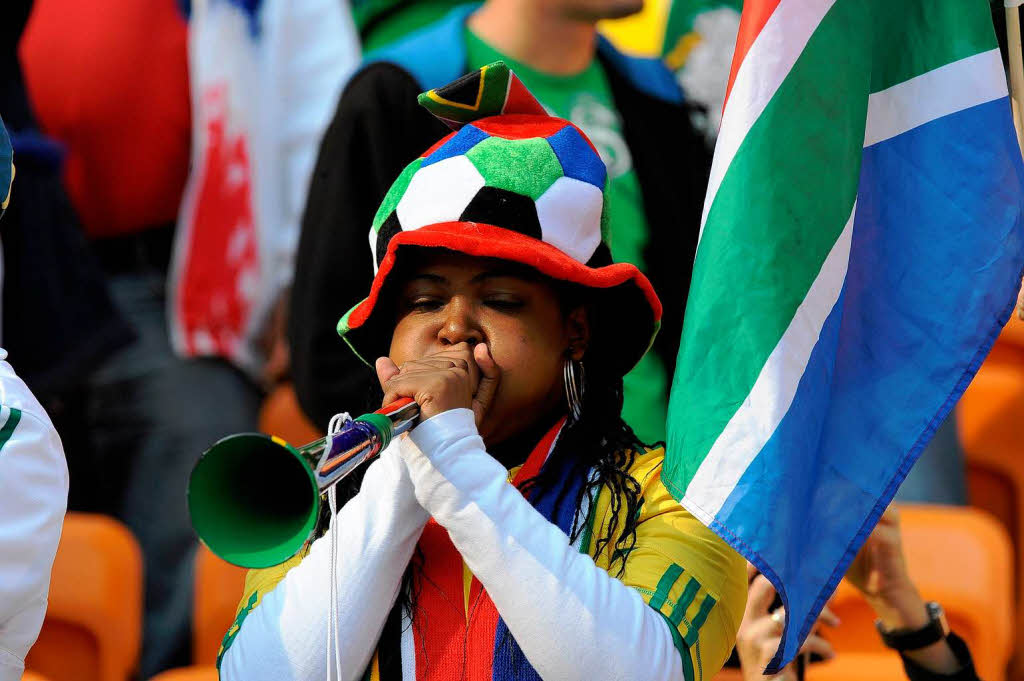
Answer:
(456, 631)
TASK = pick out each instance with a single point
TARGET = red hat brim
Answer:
(633, 304)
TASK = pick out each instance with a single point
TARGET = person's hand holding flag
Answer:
(1020, 301)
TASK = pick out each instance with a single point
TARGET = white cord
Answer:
(332, 620)
(336, 424)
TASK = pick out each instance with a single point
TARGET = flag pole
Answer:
(1016, 64)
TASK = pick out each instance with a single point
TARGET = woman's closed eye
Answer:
(424, 303)
(504, 302)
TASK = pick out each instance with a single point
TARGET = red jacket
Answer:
(109, 79)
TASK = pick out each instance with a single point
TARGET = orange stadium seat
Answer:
(1009, 347)
(219, 588)
(282, 416)
(847, 667)
(93, 624)
(859, 667)
(200, 673)
(32, 676)
(960, 557)
(989, 419)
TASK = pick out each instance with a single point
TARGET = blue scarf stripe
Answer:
(510, 664)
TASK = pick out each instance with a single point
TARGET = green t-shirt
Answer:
(586, 100)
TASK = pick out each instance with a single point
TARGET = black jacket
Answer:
(378, 129)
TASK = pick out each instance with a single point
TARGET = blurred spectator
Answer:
(940, 475)
(33, 498)
(109, 81)
(700, 36)
(632, 110)
(46, 261)
(252, 156)
(916, 630)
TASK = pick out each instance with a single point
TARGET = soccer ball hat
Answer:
(516, 184)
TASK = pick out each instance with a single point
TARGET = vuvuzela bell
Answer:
(255, 499)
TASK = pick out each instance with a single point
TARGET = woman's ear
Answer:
(578, 327)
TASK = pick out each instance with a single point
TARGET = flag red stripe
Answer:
(755, 16)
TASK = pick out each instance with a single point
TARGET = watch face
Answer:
(937, 614)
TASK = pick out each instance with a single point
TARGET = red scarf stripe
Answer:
(450, 644)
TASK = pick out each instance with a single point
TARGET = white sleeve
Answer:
(285, 637)
(572, 620)
(33, 499)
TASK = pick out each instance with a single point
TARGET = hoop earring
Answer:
(572, 375)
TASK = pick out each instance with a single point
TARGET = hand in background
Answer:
(880, 573)
(1020, 302)
(761, 630)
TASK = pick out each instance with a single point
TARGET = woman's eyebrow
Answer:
(427, 276)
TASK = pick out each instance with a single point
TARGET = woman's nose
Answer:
(459, 325)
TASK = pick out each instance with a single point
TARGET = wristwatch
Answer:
(913, 639)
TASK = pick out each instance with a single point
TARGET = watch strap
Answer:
(913, 639)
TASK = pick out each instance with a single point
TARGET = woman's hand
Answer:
(463, 376)
(761, 630)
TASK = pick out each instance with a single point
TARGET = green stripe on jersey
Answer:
(702, 616)
(684, 650)
(689, 593)
(236, 627)
(665, 585)
(13, 418)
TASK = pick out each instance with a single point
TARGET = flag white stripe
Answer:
(755, 421)
(766, 65)
(5, 413)
(943, 91)
(940, 92)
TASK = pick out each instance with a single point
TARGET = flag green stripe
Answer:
(764, 245)
(930, 34)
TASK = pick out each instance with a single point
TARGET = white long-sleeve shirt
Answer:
(539, 582)
(33, 499)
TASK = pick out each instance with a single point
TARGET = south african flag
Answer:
(860, 250)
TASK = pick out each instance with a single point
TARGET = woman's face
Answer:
(450, 298)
